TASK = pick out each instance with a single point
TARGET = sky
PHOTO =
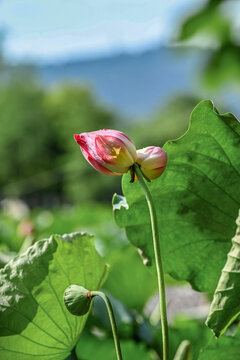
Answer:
(43, 30)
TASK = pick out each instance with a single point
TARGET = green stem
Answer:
(159, 267)
(112, 321)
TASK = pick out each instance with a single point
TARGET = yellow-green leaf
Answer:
(34, 322)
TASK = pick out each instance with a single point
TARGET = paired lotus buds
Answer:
(112, 152)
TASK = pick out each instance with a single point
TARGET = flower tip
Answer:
(77, 137)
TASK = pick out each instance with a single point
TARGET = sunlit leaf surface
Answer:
(34, 323)
(197, 200)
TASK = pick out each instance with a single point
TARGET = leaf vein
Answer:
(24, 353)
(31, 340)
(225, 154)
(34, 323)
(214, 183)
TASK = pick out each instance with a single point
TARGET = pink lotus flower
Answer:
(152, 161)
(109, 151)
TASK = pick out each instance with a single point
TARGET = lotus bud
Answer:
(109, 151)
(77, 300)
(152, 161)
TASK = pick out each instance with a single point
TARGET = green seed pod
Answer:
(77, 300)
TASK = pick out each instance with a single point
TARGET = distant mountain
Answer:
(134, 84)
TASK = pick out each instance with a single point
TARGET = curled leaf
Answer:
(225, 306)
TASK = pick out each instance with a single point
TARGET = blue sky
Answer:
(51, 29)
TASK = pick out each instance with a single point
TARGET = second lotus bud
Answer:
(152, 161)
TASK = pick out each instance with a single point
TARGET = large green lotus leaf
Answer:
(197, 200)
(34, 323)
(225, 306)
(225, 348)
